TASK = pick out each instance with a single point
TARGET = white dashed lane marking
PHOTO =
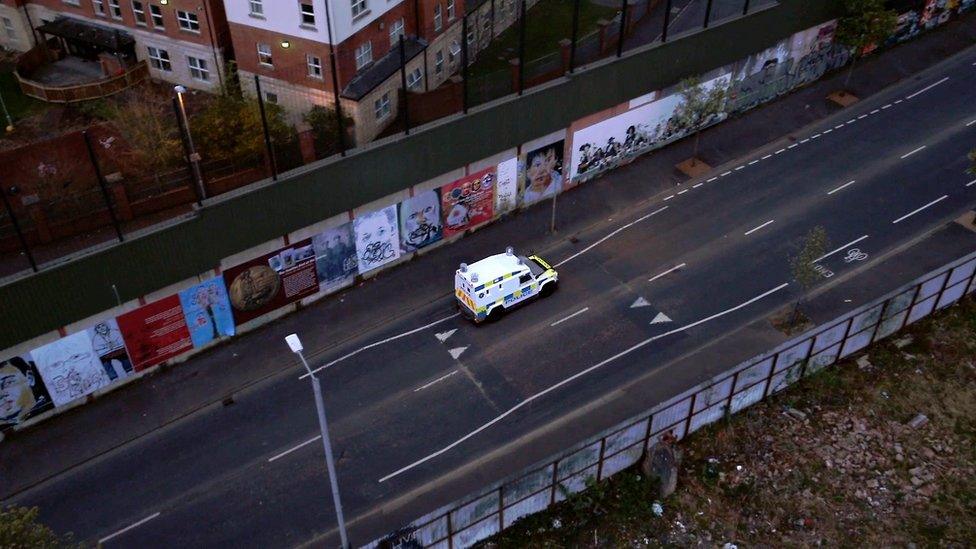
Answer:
(934, 202)
(750, 231)
(906, 155)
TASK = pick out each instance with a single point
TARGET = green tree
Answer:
(972, 158)
(324, 124)
(698, 106)
(803, 264)
(144, 119)
(229, 127)
(19, 529)
(864, 23)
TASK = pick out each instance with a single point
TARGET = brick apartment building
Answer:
(183, 41)
(287, 43)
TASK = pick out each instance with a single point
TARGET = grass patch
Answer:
(18, 105)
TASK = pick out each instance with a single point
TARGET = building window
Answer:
(438, 62)
(264, 55)
(72, 2)
(511, 7)
(308, 13)
(438, 24)
(396, 30)
(470, 37)
(157, 16)
(159, 59)
(188, 21)
(314, 66)
(381, 106)
(139, 11)
(271, 97)
(8, 27)
(453, 52)
(358, 7)
(257, 7)
(115, 9)
(364, 54)
(99, 7)
(450, 10)
(198, 68)
(413, 79)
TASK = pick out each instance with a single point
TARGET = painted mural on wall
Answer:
(22, 391)
(420, 220)
(335, 256)
(377, 238)
(207, 310)
(272, 281)
(109, 346)
(543, 176)
(468, 202)
(155, 332)
(70, 368)
(506, 186)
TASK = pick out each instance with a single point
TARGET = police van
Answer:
(485, 289)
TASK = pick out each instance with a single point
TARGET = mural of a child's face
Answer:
(420, 219)
(376, 235)
(540, 169)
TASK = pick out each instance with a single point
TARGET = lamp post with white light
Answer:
(191, 152)
(296, 347)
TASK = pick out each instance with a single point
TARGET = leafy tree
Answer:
(802, 265)
(229, 127)
(324, 124)
(698, 106)
(972, 158)
(864, 23)
(19, 529)
(144, 118)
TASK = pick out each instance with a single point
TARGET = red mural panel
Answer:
(155, 332)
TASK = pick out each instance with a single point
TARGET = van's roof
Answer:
(494, 267)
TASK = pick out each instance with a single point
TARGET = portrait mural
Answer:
(22, 392)
(377, 238)
(420, 220)
(335, 256)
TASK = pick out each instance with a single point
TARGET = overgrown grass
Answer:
(18, 105)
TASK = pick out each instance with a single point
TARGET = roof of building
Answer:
(492, 268)
(383, 68)
(88, 33)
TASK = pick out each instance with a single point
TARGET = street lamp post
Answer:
(191, 150)
(296, 347)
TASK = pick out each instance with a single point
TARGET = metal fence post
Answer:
(572, 46)
(464, 63)
(403, 82)
(101, 184)
(667, 20)
(623, 28)
(691, 413)
(708, 13)
(745, 8)
(264, 126)
(521, 67)
(17, 229)
(187, 152)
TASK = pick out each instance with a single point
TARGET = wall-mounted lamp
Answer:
(164, 2)
(285, 44)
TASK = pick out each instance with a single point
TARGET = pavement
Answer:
(442, 408)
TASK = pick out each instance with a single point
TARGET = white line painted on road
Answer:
(574, 377)
(970, 123)
(844, 247)
(609, 236)
(934, 202)
(852, 120)
(290, 450)
(130, 527)
(875, 111)
(697, 185)
(737, 168)
(926, 88)
(828, 130)
(577, 313)
(381, 342)
(683, 191)
(669, 197)
(792, 146)
(906, 155)
(899, 101)
(888, 106)
(838, 126)
(805, 140)
(712, 179)
(750, 231)
(849, 183)
(767, 157)
(971, 183)
(442, 378)
(862, 116)
(815, 136)
(753, 162)
(723, 174)
(779, 151)
(667, 272)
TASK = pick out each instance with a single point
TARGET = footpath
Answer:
(353, 317)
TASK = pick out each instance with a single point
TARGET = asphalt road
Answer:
(431, 406)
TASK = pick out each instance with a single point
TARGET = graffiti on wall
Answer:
(22, 392)
(70, 368)
(420, 220)
(377, 238)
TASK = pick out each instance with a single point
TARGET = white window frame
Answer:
(99, 7)
(72, 2)
(156, 14)
(314, 64)
(439, 62)
(115, 9)
(359, 7)
(438, 17)
(414, 78)
(302, 13)
(396, 29)
(187, 20)
(198, 68)
(453, 51)
(265, 55)
(450, 10)
(159, 59)
(8, 27)
(256, 8)
(140, 13)
(364, 54)
(381, 107)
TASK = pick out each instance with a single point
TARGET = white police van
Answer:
(487, 288)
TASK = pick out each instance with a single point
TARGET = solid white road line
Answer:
(906, 216)
(737, 168)
(970, 123)
(753, 162)
(851, 182)
(862, 116)
(815, 136)
(697, 185)
(130, 527)
(971, 183)
(888, 106)
(779, 151)
(442, 378)
(572, 378)
(828, 130)
(667, 272)
(768, 156)
(844, 247)
(899, 101)
(609, 236)
(290, 450)
(577, 313)
(750, 231)
(683, 191)
(378, 343)
(792, 146)
(669, 197)
(723, 174)
(906, 155)
(802, 141)
(852, 120)
(926, 88)
(838, 126)
(712, 179)
(875, 111)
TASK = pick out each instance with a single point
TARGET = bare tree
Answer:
(803, 264)
(144, 119)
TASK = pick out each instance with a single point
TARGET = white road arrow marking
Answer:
(641, 302)
(661, 318)
(442, 336)
(457, 351)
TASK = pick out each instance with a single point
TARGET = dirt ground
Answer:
(836, 460)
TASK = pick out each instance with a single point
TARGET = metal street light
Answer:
(296, 347)
(191, 151)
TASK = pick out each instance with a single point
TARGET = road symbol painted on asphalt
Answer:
(457, 351)
(661, 318)
(442, 336)
(641, 302)
(855, 254)
(827, 273)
